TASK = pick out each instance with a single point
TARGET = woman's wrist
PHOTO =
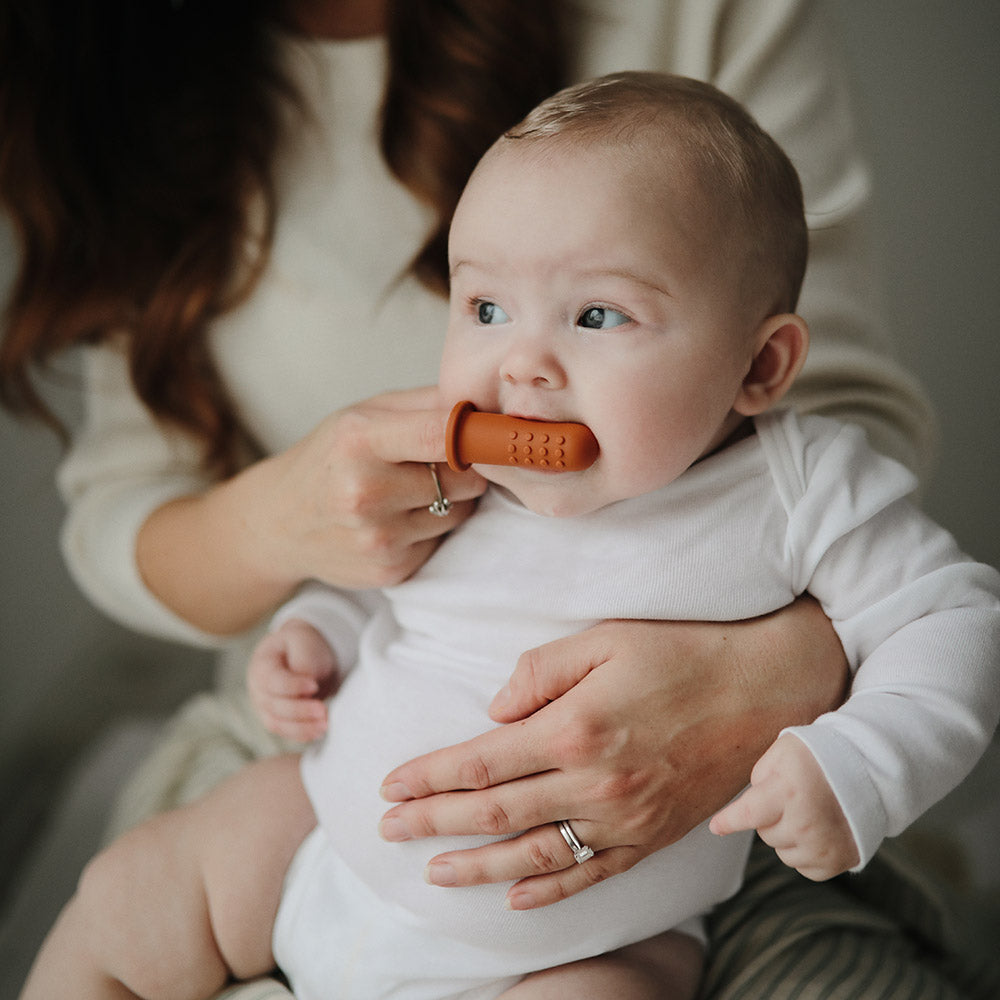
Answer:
(791, 668)
(213, 559)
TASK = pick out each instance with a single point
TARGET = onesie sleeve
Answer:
(920, 624)
(121, 466)
(338, 615)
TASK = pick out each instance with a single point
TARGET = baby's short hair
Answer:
(744, 174)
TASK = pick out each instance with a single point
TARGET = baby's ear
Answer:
(781, 343)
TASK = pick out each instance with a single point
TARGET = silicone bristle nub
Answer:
(474, 438)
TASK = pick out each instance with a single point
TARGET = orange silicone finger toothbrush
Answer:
(473, 438)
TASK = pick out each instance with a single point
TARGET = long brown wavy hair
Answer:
(134, 137)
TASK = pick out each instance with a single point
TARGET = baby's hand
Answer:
(291, 673)
(794, 810)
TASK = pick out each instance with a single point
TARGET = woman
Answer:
(239, 210)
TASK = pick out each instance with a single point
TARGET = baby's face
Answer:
(585, 289)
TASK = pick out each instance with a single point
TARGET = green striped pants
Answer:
(884, 934)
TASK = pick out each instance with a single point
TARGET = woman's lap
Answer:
(885, 934)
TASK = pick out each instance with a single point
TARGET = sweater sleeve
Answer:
(780, 61)
(776, 59)
(121, 466)
(920, 623)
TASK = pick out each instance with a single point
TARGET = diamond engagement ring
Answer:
(581, 852)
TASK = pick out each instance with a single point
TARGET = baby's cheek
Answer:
(462, 378)
(639, 463)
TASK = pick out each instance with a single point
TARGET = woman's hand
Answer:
(348, 506)
(634, 731)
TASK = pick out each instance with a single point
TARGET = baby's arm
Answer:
(793, 808)
(919, 622)
(313, 641)
(292, 671)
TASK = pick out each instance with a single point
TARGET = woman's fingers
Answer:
(542, 890)
(541, 851)
(406, 430)
(423, 526)
(399, 433)
(548, 672)
(494, 812)
(389, 514)
(519, 750)
(349, 503)
(424, 397)
(497, 756)
(544, 853)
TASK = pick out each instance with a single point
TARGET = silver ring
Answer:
(442, 506)
(581, 852)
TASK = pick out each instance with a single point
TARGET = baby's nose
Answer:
(531, 361)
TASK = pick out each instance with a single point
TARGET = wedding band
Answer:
(581, 852)
(442, 506)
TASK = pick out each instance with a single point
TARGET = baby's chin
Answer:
(550, 494)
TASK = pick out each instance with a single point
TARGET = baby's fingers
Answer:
(301, 720)
(283, 684)
(752, 810)
(306, 652)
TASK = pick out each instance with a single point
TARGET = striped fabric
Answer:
(886, 934)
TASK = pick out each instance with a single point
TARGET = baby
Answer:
(627, 258)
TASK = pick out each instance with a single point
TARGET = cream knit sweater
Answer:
(331, 323)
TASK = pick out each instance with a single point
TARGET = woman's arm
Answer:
(634, 752)
(347, 505)
(163, 549)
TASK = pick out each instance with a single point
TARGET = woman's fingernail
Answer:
(395, 791)
(394, 830)
(501, 698)
(440, 873)
(520, 900)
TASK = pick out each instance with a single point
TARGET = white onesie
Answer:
(803, 504)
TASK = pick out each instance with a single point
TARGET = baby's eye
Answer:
(601, 318)
(489, 313)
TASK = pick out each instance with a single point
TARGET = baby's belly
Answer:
(395, 708)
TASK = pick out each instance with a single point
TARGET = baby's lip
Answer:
(537, 418)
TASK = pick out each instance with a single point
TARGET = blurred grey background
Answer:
(926, 78)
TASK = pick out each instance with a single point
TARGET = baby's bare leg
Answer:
(175, 907)
(666, 967)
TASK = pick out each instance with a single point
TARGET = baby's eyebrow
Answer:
(627, 274)
(460, 264)
(589, 274)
